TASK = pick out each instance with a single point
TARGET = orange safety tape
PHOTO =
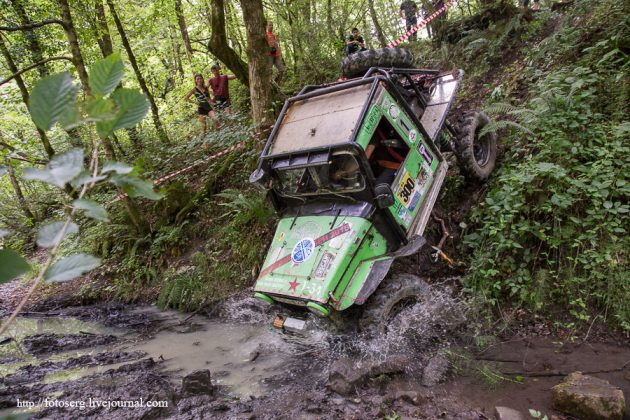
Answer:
(423, 23)
(188, 168)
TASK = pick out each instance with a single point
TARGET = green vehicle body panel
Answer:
(420, 165)
(310, 274)
(373, 246)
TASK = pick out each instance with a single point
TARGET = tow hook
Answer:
(289, 324)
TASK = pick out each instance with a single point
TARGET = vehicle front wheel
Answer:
(393, 295)
(476, 156)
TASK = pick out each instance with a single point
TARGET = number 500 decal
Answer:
(406, 189)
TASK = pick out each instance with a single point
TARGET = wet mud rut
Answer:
(116, 361)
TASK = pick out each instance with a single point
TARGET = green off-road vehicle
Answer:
(354, 169)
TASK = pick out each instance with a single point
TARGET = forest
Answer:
(125, 184)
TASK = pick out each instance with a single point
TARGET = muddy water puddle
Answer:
(240, 356)
(13, 355)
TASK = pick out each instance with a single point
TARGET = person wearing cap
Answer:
(220, 88)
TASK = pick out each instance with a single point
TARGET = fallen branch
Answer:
(32, 66)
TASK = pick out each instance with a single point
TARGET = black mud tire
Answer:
(476, 156)
(392, 295)
(357, 64)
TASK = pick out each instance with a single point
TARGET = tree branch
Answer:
(32, 66)
(21, 156)
(32, 25)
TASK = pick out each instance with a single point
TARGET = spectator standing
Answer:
(275, 56)
(425, 14)
(354, 42)
(220, 88)
(536, 6)
(202, 96)
(409, 10)
(439, 22)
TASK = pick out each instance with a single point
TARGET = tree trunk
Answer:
(136, 69)
(329, 23)
(183, 28)
(25, 96)
(19, 195)
(176, 53)
(33, 43)
(103, 38)
(259, 67)
(379, 31)
(218, 44)
(73, 40)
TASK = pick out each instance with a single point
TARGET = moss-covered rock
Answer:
(586, 397)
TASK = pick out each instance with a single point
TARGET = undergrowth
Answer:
(553, 228)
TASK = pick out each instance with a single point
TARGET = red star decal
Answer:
(293, 285)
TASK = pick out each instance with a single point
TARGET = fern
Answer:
(498, 108)
(476, 44)
(498, 125)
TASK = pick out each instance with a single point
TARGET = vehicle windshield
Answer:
(339, 175)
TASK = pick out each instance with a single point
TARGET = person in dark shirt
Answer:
(409, 10)
(354, 42)
(220, 88)
(202, 97)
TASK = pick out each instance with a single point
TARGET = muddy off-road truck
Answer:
(354, 169)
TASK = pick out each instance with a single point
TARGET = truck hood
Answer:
(308, 256)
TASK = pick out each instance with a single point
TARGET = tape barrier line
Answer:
(188, 168)
(423, 23)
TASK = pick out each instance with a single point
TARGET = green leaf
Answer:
(60, 170)
(71, 267)
(99, 109)
(118, 167)
(132, 107)
(92, 209)
(136, 187)
(50, 98)
(11, 265)
(71, 118)
(49, 235)
(86, 177)
(106, 74)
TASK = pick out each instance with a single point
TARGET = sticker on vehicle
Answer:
(393, 111)
(413, 135)
(303, 250)
(324, 265)
(406, 189)
(426, 155)
(404, 215)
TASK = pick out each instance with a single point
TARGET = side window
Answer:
(386, 152)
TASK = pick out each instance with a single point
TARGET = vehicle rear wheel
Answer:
(357, 64)
(476, 156)
(393, 295)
